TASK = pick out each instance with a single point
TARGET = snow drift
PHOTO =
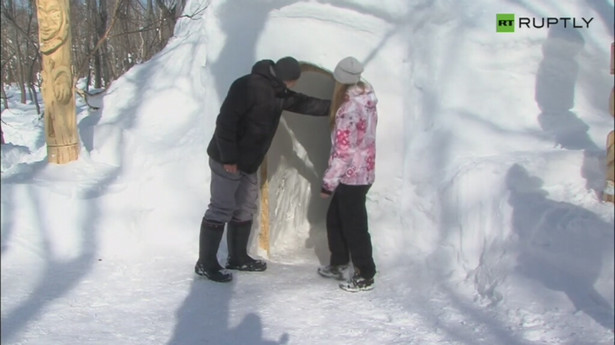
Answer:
(489, 166)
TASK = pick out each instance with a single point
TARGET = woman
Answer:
(349, 176)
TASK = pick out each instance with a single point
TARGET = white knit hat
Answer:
(348, 71)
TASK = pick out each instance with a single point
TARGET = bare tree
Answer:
(109, 37)
(10, 13)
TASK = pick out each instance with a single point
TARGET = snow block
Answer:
(107, 147)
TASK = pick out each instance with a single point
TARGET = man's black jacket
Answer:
(250, 115)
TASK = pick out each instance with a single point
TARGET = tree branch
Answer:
(99, 43)
(19, 29)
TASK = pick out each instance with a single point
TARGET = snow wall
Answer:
(432, 208)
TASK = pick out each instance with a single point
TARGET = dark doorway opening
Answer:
(295, 165)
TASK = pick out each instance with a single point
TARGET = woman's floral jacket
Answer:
(353, 152)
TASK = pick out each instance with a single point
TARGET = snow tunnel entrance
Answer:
(292, 211)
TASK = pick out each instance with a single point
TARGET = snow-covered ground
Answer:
(485, 216)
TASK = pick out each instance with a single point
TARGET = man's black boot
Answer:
(209, 241)
(237, 236)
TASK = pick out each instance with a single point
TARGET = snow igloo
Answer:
(318, 34)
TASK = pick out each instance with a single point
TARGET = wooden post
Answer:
(609, 191)
(58, 91)
(263, 236)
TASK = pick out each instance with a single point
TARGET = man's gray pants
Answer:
(233, 196)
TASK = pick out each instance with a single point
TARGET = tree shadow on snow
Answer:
(242, 22)
(59, 275)
(555, 90)
(605, 10)
(203, 319)
(562, 246)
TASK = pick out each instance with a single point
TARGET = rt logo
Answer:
(505, 22)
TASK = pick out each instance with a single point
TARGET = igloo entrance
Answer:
(292, 211)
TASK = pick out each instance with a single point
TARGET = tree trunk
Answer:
(33, 64)
(6, 106)
(103, 51)
(34, 97)
(58, 89)
(3, 95)
(19, 63)
(149, 22)
(32, 86)
(97, 70)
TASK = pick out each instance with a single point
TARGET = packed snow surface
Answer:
(486, 214)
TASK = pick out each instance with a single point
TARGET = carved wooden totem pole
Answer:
(609, 190)
(58, 95)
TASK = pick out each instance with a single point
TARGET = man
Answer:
(245, 127)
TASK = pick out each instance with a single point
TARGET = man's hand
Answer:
(230, 168)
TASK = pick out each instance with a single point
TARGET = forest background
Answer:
(108, 38)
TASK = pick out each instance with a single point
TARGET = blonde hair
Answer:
(339, 96)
